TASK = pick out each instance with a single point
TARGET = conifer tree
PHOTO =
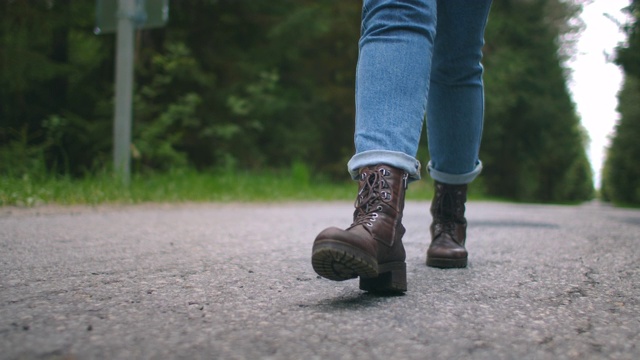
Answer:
(533, 146)
(621, 173)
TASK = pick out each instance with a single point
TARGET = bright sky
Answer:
(595, 81)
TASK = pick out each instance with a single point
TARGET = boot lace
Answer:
(370, 197)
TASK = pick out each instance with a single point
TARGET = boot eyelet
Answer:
(369, 224)
(379, 208)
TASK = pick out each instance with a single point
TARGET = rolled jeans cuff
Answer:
(454, 179)
(392, 158)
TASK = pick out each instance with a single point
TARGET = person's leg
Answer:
(455, 113)
(391, 94)
(392, 82)
(455, 108)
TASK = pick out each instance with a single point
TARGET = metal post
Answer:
(124, 90)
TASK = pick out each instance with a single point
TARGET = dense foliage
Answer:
(621, 175)
(533, 144)
(266, 84)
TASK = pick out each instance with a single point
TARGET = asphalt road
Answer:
(234, 281)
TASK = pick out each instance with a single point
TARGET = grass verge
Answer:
(182, 186)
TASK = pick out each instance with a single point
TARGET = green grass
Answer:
(184, 186)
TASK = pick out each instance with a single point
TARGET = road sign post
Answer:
(124, 90)
(123, 17)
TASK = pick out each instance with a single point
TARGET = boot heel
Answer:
(443, 263)
(392, 278)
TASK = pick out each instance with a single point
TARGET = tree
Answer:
(621, 173)
(54, 82)
(534, 146)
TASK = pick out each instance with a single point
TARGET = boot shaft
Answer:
(449, 202)
(447, 210)
(380, 202)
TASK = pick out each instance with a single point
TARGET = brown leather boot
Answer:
(449, 227)
(371, 248)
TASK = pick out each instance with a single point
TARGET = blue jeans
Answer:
(417, 58)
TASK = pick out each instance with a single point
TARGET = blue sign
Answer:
(148, 14)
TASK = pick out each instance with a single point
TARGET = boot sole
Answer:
(338, 261)
(444, 263)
